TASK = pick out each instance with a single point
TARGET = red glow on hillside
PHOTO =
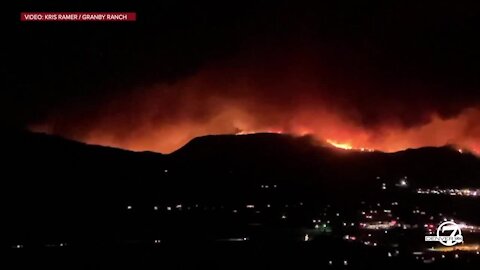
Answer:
(165, 117)
(345, 146)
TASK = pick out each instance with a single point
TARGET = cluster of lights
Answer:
(344, 262)
(50, 245)
(349, 237)
(430, 228)
(268, 186)
(469, 228)
(465, 247)
(466, 192)
(370, 243)
(379, 225)
(180, 207)
(237, 239)
(472, 248)
(403, 182)
(378, 219)
(56, 245)
(419, 212)
(383, 212)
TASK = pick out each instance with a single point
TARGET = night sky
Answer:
(379, 75)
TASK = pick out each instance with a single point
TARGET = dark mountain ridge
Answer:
(254, 155)
(53, 182)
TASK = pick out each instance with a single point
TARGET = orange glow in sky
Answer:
(165, 117)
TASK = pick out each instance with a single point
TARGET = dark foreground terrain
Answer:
(263, 201)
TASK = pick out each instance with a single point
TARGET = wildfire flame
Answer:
(165, 117)
(243, 132)
(345, 146)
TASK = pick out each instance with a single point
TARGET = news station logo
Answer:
(78, 16)
(448, 234)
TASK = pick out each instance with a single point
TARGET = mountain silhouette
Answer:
(50, 182)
